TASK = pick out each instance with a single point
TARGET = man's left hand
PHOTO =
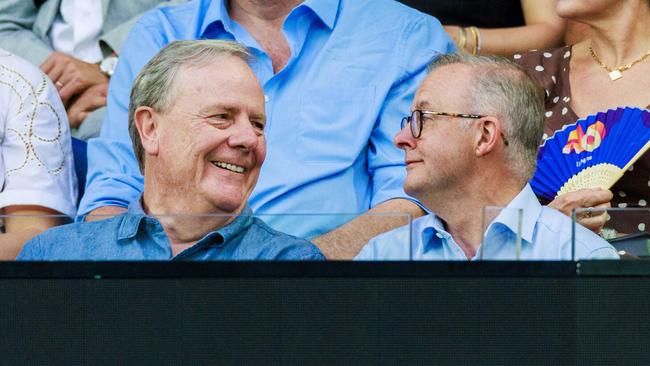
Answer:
(71, 76)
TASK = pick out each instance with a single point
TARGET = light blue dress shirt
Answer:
(136, 237)
(545, 235)
(332, 111)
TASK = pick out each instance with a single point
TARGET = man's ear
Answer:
(488, 134)
(147, 124)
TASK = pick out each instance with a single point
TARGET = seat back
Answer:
(79, 148)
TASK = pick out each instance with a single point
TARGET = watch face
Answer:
(107, 66)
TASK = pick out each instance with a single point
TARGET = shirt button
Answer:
(440, 236)
(266, 98)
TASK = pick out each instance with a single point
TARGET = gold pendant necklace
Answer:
(616, 73)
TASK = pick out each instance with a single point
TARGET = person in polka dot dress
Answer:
(581, 79)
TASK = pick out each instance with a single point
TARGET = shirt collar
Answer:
(239, 224)
(131, 220)
(326, 10)
(433, 228)
(135, 214)
(531, 209)
(211, 11)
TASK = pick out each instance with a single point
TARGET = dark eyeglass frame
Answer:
(418, 116)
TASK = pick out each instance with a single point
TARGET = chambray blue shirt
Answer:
(545, 235)
(332, 111)
(135, 236)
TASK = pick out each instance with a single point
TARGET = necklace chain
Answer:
(615, 73)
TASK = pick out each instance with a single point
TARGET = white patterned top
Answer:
(36, 164)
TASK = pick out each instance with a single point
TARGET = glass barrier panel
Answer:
(136, 236)
(16, 229)
(392, 241)
(621, 231)
(501, 234)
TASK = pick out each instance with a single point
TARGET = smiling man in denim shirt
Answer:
(470, 142)
(201, 158)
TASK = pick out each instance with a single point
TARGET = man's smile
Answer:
(229, 166)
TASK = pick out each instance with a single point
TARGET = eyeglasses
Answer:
(417, 117)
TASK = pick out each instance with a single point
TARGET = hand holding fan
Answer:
(593, 152)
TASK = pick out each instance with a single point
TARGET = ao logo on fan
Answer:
(579, 156)
(579, 141)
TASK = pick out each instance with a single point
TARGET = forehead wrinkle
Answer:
(430, 101)
(447, 90)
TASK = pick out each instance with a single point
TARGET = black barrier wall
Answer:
(323, 313)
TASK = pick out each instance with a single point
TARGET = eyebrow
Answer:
(423, 104)
(260, 117)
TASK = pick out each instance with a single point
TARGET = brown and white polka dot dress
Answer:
(551, 69)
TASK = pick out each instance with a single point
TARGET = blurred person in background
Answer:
(501, 27)
(37, 175)
(607, 69)
(76, 43)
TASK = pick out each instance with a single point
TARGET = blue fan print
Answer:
(593, 152)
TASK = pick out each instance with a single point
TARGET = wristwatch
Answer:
(107, 66)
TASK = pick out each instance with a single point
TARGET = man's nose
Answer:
(243, 136)
(404, 139)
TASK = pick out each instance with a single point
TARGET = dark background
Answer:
(336, 313)
(480, 13)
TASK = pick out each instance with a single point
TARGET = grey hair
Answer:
(154, 86)
(504, 89)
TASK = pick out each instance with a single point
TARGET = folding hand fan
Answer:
(593, 152)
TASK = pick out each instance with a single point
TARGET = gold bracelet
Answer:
(462, 38)
(474, 31)
(478, 42)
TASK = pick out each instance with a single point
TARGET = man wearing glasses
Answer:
(471, 142)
